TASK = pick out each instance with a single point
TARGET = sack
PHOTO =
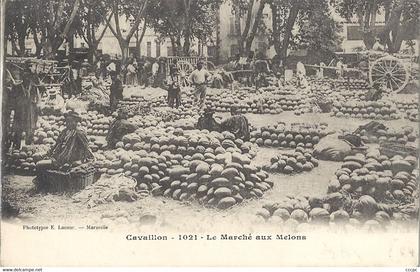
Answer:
(330, 148)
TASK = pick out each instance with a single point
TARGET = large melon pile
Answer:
(280, 135)
(366, 110)
(386, 179)
(168, 160)
(299, 161)
(401, 136)
(24, 160)
(336, 210)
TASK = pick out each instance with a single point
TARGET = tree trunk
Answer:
(392, 26)
(187, 45)
(139, 38)
(294, 11)
(251, 36)
(124, 50)
(178, 46)
(21, 42)
(38, 45)
(368, 39)
(276, 29)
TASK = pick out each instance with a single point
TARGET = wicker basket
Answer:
(64, 182)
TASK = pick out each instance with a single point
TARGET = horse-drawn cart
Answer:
(391, 71)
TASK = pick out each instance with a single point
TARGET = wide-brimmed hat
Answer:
(72, 114)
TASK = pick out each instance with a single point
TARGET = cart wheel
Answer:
(185, 67)
(390, 72)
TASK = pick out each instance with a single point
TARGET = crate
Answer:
(54, 181)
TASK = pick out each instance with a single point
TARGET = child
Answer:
(174, 94)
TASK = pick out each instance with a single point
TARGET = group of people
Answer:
(135, 71)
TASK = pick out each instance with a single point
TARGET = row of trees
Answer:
(51, 22)
(305, 24)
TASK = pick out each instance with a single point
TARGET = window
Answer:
(157, 49)
(169, 51)
(234, 50)
(149, 49)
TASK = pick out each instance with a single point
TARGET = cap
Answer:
(72, 114)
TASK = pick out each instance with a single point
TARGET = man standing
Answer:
(340, 68)
(301, 74)
(378, 45)
(116, 91)
(155, 70)
(174, 70)
(199, 78)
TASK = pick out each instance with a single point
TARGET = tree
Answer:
(132, 10)
(91, 16)
(306, 24)
(54, 21)
(318, 33)
(183, 20)
(401, 18)
(17, 24)
(251, 12)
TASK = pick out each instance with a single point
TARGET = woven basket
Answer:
(64, 182)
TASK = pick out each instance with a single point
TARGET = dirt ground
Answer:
(171, 214)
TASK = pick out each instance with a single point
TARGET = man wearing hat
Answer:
(116, 91)
(72, 145)
(199, 78)
(207, 121)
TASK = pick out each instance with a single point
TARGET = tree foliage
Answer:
(401, 19)
(250, 12)
(132, 11)
(48, 21)
(91, 23)
(182, 21)
(18, 21)
(304, 24)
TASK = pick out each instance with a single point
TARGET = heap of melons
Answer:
(347, 95)
(352, 84)
(366, 110)
(390, 135)
(98, 126)
(167, 161)
(299, 161)
(335, 210)
(385, 179)
(176, 141)
(221, 181)
(413, 115)
(244, 102)
(407, 105)
(280, 135)
(25, 159)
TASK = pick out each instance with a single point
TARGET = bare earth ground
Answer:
(174, 215)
